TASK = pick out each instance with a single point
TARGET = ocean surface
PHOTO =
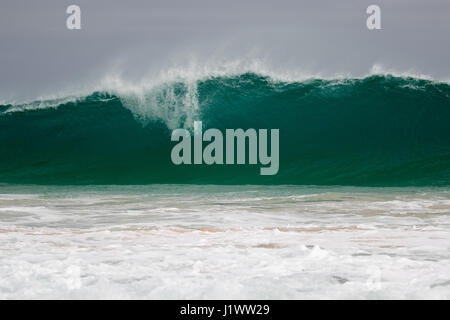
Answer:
(91, 205)
(229, 242)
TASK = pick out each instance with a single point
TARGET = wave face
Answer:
(376, 131)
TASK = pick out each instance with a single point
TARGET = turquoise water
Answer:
(375, 131)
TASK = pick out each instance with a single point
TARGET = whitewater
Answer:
(225, 242)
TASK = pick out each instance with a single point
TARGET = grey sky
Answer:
(39, 56)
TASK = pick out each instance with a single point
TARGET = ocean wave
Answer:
(376, 130)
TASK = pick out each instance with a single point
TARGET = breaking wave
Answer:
(381, 130)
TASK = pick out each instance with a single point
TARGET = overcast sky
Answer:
(39, 55)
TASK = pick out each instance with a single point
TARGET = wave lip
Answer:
(380, 130)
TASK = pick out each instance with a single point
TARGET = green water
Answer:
(376, 131)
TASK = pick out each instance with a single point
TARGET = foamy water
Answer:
(255, 242)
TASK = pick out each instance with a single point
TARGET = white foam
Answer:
(171, 94)
(379, 69)
(225, 242)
